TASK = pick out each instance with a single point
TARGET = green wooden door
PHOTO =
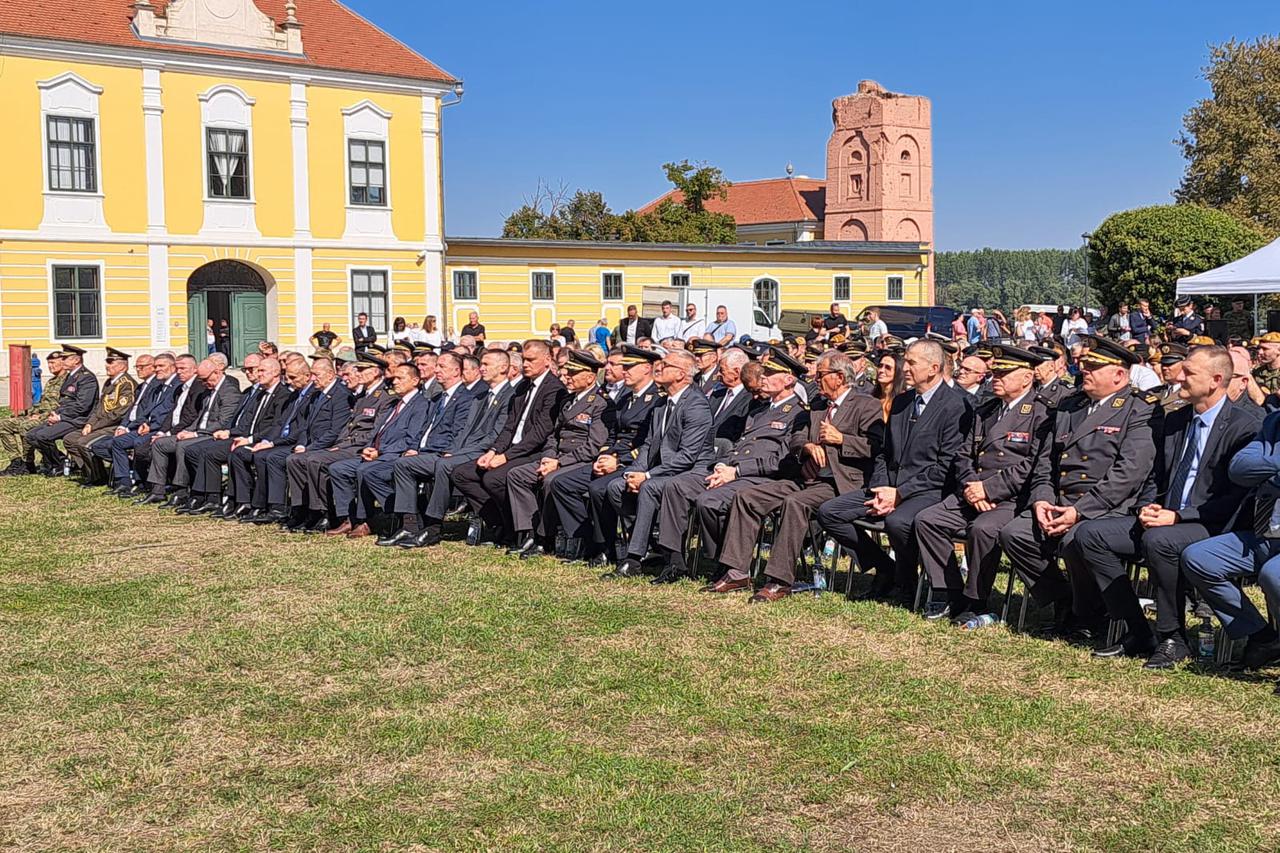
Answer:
(248, 324)
(197, 316)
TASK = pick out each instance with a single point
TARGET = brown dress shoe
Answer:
(724, 585)
(770, 593)
(360, 531)
(341, 530)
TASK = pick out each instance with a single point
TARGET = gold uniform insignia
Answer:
(1117, 403)
(648, 397)
(591, 398)
(786, 408)
(1025, 409)
(1152, 398)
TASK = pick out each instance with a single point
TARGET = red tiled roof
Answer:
(770, 200)
(333, 37)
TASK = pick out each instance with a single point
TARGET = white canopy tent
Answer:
(1255, 273)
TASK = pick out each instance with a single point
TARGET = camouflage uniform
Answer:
(13, 429)
(1268, 379)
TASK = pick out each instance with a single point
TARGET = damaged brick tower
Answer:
(880, 168)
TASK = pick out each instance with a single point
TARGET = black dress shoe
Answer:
(429, 536)
(1168, 653)
(321, 526)
(598, 561)
(877, 592)
(1260, 655)
(671, 574)
(524, 540)
(394, 539)
(206, 508)
(1139, 646)
(936, 611)
(628, 568)
(474, 530)
(151, 498)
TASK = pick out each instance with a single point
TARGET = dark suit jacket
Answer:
(191, 407)
(684, 442)
(326, 416)
(918, 458)
(484, 422)
(270, 415)
(729, 422)
(156, 399)
(394, 434)
(450, 421)
(861, 421)
(644, 329)
(294, 417)
(360, 340)
(77, 397)
(223, 408)
(1001, 452)
(546, 405)
(1214, 500)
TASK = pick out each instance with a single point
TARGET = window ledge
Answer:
(385, 207)
(217, 200)
(75, 193)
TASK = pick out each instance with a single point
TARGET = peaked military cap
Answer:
(1104, 351)
(368, 360)
(114, 354)
(633, 355)
(893, 343)
(1172, 353)
(813, 352)
(778, 361)
(1201, 341)
(1012, 358)
(948, 345)
(58, 354)
(581, 360)
(376, 347)
(1268, 338)
(753, 349)
(1182, 301)
(424, 349)
(515, 346)
(702, 345)
(1043, 353)
(68, 349)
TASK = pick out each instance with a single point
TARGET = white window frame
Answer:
(102, 298)
(902, 288)
(96, 148)
(622, 278)
(671, 281)
(453, 293)
(352, 269)
(365, 121)
(248, 164)
(227, 107)
(835, 294)
(386, 189)
(754, 305)
(69, 95)
(549, 272)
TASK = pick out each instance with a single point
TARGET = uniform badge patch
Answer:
(777, 425)
(368, 412)
(71, 389)
(786, 408)
(583, 418)
(1108, 430)
(1018, 437)
(1117, 403)
(1024, 409)
(648, 397)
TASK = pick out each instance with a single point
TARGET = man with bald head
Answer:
(927, 426)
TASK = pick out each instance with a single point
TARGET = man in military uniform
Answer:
(707, 353)
(756, 457)
(1239, 322)
(1052, 386)
(13, 429)
(833, 456)
(1097, 463)
(1267, 373)
(992, 480)
(584, 425)
(864, 371)
(76, 399)
(1186, 323)
(1171, 358)
(307, 470)
(115, 401)
(578, 490)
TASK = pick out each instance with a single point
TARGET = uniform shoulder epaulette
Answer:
(1150, 397)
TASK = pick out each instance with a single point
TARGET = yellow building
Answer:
(519, 287)
(173, 162)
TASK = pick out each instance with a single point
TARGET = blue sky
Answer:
(1047, 117)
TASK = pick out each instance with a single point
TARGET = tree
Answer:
(1142, 253)
(1232, 139)
(697, 183)
(1007, 278)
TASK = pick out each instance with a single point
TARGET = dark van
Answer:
(911, 322)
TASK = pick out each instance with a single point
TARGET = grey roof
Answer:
(859, 247)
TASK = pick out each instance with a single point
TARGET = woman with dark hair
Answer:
(890, 381)
(817, 330)
(400, 332)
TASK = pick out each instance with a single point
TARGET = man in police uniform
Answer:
(992, 480)
(1098, 460)
(756, 457)
(1171, 358)
(1187, 324)
(115, 401)
(577, 490)
(864, 371)
(1052, 386)
(833, 456)
(707, 352)
(308, 469)
(76, 399)
(13, 429)
(584, 425)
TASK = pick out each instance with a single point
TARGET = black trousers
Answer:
(937, 528)
(689, 491)
(1104, 544)
(486, 490)
(838, 514)
(308, 475)
(1034, 556)
(570, 499)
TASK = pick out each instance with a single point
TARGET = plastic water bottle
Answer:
(819, 578)
(986, 620)
(1206, 644)
(829, 552)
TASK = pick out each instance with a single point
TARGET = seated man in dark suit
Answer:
(152, 406)
(396, 431)
(832, 457)
(537, 401)
(446, 416)
(759, 456)
(680, 440)
(577, 493)
(1096, 466)
(729, 401)
(1196, 499)
(189, 394)
(247, 477)
(488, 413)
(926, 431)
(992, 485)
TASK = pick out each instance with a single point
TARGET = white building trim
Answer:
(153, 130)
(298, 123)
(158, 290)
(227, 107)
(68, 212)
(303, 295)
(104, 333)
(367, 122)
(433, 212)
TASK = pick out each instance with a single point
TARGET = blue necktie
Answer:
(1178, 484)
(297, 404)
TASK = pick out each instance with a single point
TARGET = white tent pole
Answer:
(1255, 315)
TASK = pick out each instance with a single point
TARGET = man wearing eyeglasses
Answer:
(970, 375)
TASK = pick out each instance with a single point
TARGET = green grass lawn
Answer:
(170, 683)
